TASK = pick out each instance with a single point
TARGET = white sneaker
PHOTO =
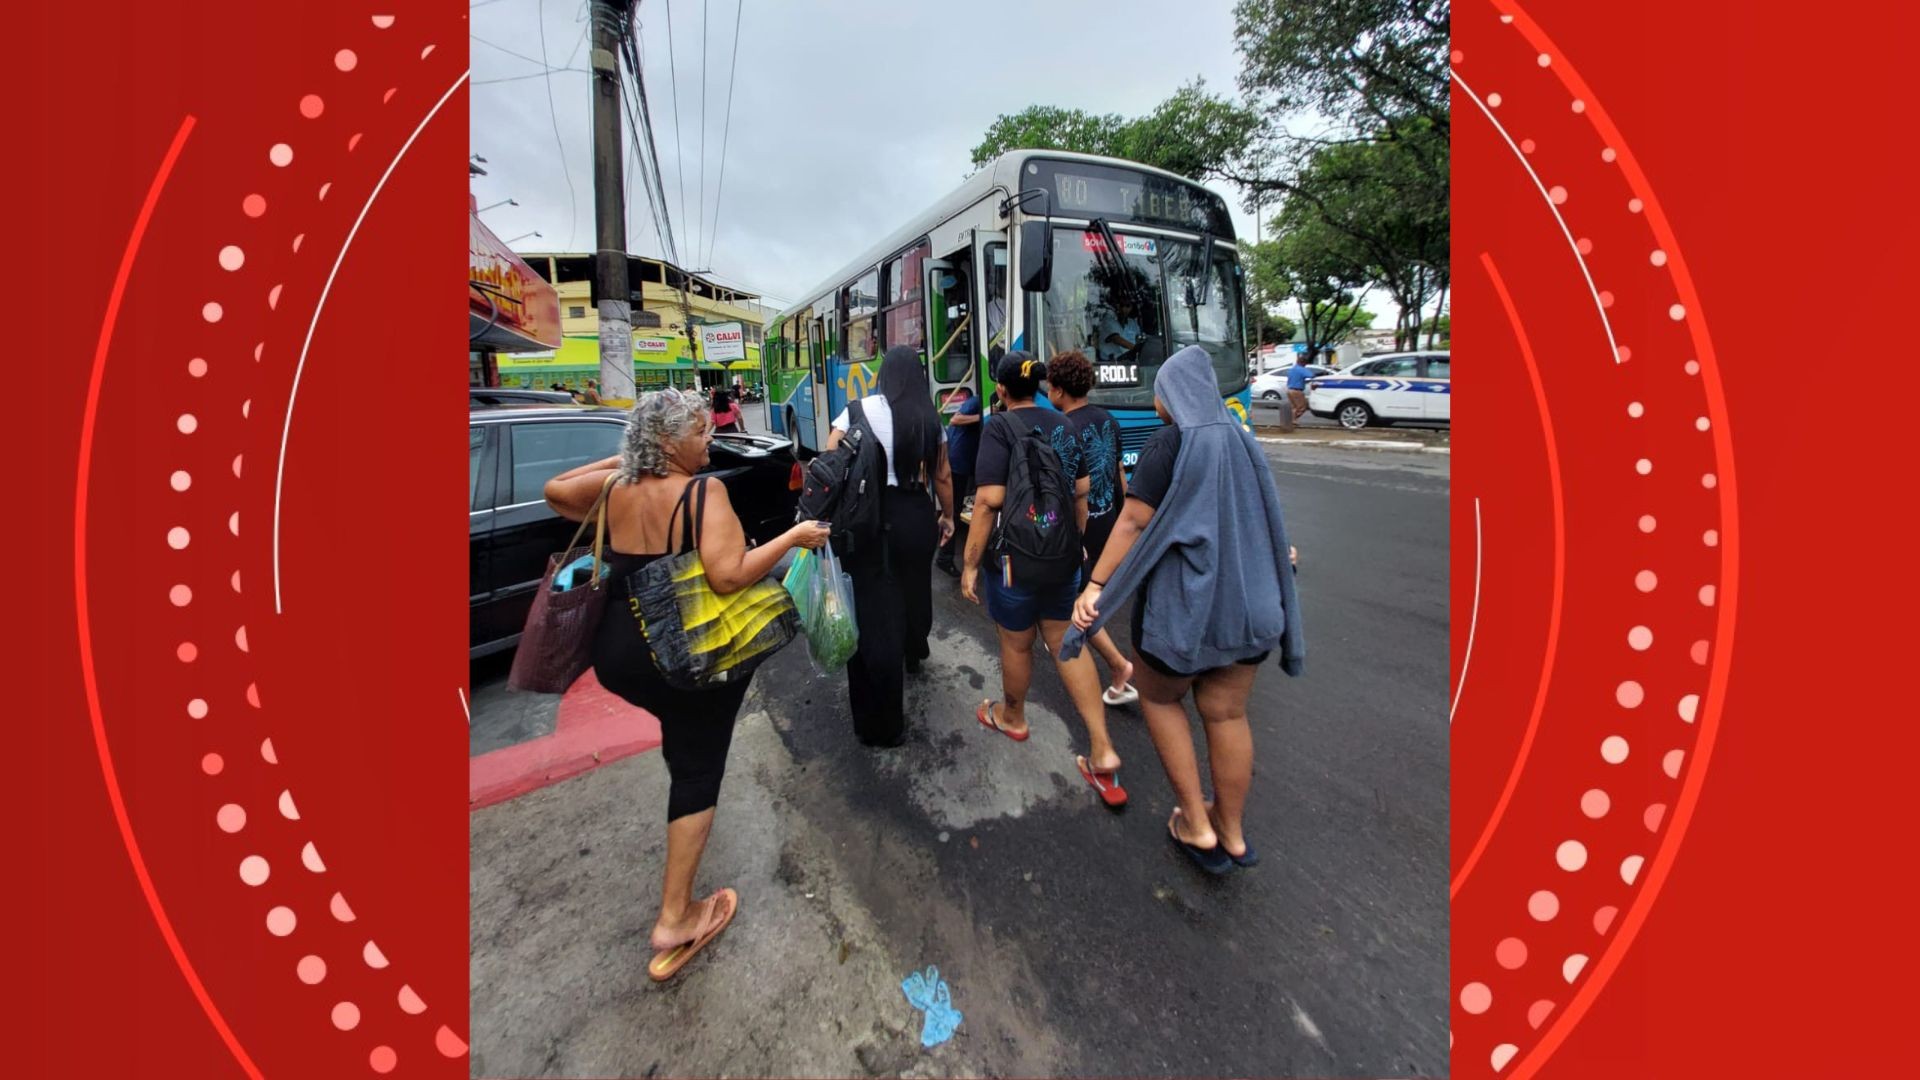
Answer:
(1125, 696)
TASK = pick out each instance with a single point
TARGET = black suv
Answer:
(513, 450)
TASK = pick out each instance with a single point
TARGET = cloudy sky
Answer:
(849, 116)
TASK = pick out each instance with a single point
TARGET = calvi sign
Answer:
(720, 342)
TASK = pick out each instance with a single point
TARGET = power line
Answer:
(701, 223)
(573, 206)
(509, 52)
(532, 75)
(588, 19)
(679, 160)
(650, 164)
(649, 154)
(647, 171)
(732, 72)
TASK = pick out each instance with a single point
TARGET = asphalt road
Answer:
(1075, 940)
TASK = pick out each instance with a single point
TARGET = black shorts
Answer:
(1161, 666)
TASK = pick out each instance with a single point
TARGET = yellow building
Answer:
(667, 302)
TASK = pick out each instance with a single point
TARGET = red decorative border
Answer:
(278, 236)
(175, 908)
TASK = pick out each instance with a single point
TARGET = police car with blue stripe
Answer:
(1383, 389)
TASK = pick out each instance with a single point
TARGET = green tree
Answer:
(1321, 270)
(1194, 133)
(1278, 330)
(1045, 127)
(1376, 196)
(1378, 70)
(1375, 64)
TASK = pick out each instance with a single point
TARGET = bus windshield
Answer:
(1129, 312)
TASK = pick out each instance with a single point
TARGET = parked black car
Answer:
(509, 395)
(513, 450)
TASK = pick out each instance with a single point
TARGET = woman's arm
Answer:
(731, 564)
(573, 493)
(943, 491)
(1133, 521)
(986, 512)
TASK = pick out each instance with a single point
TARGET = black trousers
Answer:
(893, 604)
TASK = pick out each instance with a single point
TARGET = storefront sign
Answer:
(720, 342)
(510, 307)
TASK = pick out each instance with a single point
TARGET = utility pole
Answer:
(610, 286)
(686, 320)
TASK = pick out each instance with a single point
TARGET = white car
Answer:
(1383, 389)
(1272, 385)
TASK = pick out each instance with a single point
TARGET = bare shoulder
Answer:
(716, 491)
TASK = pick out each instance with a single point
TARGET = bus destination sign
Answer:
(1090, 191)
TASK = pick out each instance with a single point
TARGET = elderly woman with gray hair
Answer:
(659, 507)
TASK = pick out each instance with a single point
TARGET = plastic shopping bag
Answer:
(798, 581)
(827, 614)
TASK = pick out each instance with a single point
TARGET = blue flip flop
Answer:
(1249, 858)
(1213, 860)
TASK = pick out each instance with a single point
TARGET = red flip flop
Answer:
(1106, 783)
(984, 714)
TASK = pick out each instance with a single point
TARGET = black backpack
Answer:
(844, 487)
(1038, 536)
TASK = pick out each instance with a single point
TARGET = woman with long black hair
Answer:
(893, 586)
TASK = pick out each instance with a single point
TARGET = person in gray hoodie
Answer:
(1202, 549)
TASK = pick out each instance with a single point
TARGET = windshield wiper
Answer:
(1115, 263)
(1206, 265)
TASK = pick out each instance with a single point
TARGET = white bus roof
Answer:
(1001, 174)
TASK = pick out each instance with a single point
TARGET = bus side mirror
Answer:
(1036, 256)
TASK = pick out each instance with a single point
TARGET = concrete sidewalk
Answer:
(565, 883)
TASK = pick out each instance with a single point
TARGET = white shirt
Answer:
(880, 419)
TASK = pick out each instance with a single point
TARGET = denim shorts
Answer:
(1016, 609)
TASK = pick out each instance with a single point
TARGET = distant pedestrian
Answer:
(893, 586)
(726, 415)
(1069, 381)
(656, 508)
(1297, 377)
(590, 393)
(963, 447)
(1032, 455)
(1201, 549)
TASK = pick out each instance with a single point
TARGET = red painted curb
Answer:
(593, 728)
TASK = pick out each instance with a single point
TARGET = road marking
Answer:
(1308, 1028)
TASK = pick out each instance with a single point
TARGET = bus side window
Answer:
(954, 297)
(995, 324)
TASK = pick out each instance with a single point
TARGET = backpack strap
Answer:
(857, 420)
(1027, 427)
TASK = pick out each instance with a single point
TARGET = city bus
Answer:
(1041, 250)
